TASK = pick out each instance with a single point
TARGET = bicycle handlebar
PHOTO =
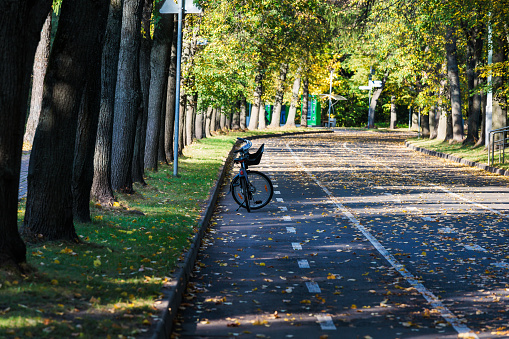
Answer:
(245, 147)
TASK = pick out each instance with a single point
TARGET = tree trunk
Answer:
(169, 125)
(482, 138)
(159, 61)
(39, 71)
(261, 116)
(374, 99)
(199, 125)
(138, 168)
(290, 120)
(161, 153)
(213, 120)
(454, 83)
(127, 98)
(394, 116)
(222, 120)
(305, 102)
(101, 186)
(189, 120)
(442, 112)
(256, 108)
(475, 38)
(243, 113)
(280, 92)
(432, 121)
(236, 116)
(181, 122)
(76, 49)
(208, 118)
(22, 21)
(425, 125)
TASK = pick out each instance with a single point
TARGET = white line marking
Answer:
(279, 200)
(446, 230)
(287, 218)
(283, 208)
(462, 329)
(296, 246)
(313, 287)
(303, 263)
(290, 230)
(325, 322)
(275, 186)
(501, 264)
(475, 248)
(431, 184)
(277, 192)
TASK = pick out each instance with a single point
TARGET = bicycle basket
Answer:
(255, 158)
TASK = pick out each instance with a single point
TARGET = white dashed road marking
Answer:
(313, 287)
(290, 230)
(296, 246)
(303, 263)
(326, 322)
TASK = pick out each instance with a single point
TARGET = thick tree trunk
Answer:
(181, 122)
(101, 186)
(161, 153)
(432, 121)
(262, 124)
(76, 49)
(257, 105)
(482, 138)
(236, 116)
(222, 119)
(280, 92)
(138, 168)
(442, 112)
(243, 113)
(213, 120)
(305, 102)
(454, 83)
(199, 125)
(290, 120)
(425, 125)
(159, 61)
(20, 31)
(169, 124)
(39, 71)
(208, 118)
(374, 100)
(475, 38)
(394, 116)
(127, 98)
(189, 120)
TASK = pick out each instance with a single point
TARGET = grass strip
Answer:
(107, 286)
(468, 152)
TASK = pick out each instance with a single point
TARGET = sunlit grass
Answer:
(477, 154)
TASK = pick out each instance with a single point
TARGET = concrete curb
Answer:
(458, 160)
(172, 291)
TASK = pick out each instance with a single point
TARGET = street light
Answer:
(172, 7)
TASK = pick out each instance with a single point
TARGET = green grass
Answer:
(477, 154)
(107, 286)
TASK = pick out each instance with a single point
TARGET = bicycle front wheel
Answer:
(260, 189)
(240, 192)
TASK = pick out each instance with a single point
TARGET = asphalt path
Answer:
(364, 238)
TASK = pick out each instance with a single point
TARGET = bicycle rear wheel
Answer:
(260, 189)
(240, 192)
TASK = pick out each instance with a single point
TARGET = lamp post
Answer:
(170, 7)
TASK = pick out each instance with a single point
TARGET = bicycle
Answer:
(250, 189)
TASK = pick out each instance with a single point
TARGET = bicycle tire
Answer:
(245, 193)
(238, 192)
(260, 189)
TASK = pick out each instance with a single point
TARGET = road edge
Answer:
(173, 290)
(459, 160)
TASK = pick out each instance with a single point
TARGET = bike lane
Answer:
(333, 255)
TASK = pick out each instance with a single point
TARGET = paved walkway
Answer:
(25, 158)
(363, 239)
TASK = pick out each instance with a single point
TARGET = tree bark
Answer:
(208, 118)
(236, 116)
(432, 121)
(159, 61)
(127, 98)
(76, 49)
(305, 102)
(222, 120)
(189, 120)
(499, 99)
(256, 108)
(22, 21)
(290, 120)
(199, 125)
(169, 124)
(475, 38)
(425, 125)
(39, 71)
(374, 99)
(394, 116)
(280, 92)
(138, 168)
(442, 134)
(261, 116)
(101, 186)
(454, 83)
(243, 113)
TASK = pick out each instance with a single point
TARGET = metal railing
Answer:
(498, 144)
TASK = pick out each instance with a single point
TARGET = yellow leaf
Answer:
(54, 282)
(116, 204)
(97, 262)
(56, 261)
